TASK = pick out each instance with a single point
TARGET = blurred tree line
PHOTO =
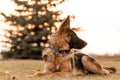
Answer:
(30, 27)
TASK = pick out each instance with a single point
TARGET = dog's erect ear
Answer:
(65, 24)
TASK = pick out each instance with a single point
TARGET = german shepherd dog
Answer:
(63, 59)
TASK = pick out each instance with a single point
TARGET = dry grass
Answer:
(20, 68)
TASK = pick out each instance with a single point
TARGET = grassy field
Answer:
(20, 68)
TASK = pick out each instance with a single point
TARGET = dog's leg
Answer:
(41, 74)
(92, 65)
(66, 74)
(65, 69)
(49, 68)
(61, 74)
(76, 72)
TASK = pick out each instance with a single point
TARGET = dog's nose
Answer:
(85, 43)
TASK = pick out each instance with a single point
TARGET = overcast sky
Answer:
(101, 21)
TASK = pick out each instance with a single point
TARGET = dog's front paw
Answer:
(30, 76)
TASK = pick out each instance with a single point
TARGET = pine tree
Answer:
(31, 26)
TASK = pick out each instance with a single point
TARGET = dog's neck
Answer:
(55, 49)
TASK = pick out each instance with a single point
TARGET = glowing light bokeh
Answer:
(99, 18)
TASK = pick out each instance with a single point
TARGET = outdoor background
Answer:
(26, 26)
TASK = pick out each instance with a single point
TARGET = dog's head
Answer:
(65, 38)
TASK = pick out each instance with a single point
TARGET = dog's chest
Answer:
(62, 63)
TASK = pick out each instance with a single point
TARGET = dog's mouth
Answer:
(77, 43)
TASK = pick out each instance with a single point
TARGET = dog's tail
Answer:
(110, 69)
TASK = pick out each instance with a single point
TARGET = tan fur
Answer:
(93, 66)
(59, 38)
(60, 65)
(58, 62)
